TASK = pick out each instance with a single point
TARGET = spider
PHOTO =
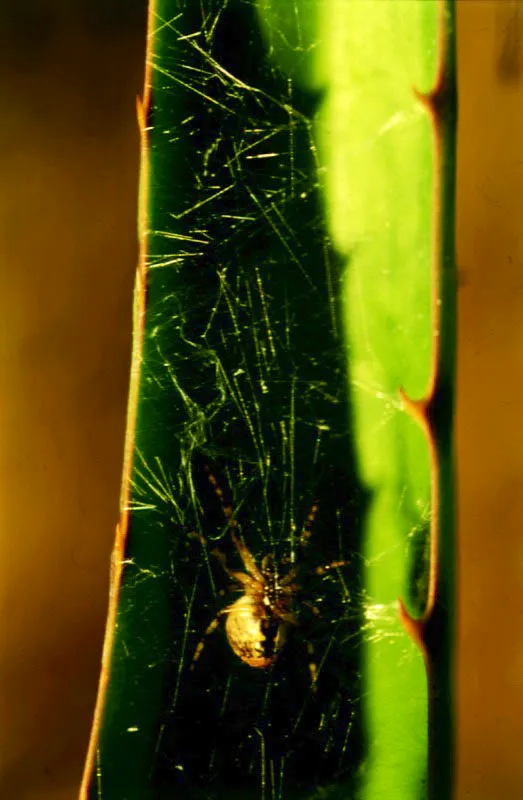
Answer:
(257, 624)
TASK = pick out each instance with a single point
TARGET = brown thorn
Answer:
(414, 627)
(416, 408)
(431, 101)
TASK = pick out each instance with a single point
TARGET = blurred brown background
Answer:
(490, 399)
(69, 77)
(69, 73)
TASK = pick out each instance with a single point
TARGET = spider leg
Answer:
(333, 565)
(248, 581)
(287, 617)
(313, 669)
(315, 610)
(248, 559)
(240, 577)
(228, 511)
(210, 629)
(306, 531)
(227, 508)
(289, 577)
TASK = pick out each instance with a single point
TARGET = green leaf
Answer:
(296, 274)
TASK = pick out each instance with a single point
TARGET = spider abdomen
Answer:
(251, 632)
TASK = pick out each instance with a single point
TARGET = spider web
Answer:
(245, 375)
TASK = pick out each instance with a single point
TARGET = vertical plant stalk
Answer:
(434, 631)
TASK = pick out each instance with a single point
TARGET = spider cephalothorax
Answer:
(257, 623)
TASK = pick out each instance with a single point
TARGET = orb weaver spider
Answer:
(257, 624)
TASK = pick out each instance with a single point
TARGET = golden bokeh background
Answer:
(69, 166)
